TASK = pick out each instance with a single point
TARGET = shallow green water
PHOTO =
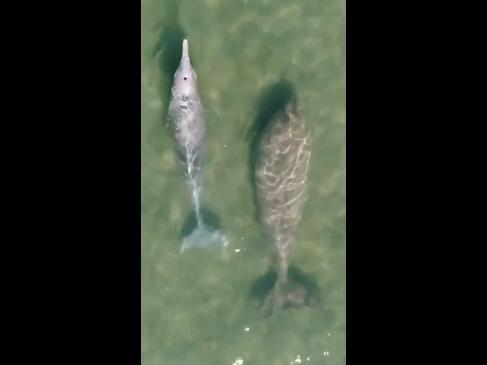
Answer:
(197, 307)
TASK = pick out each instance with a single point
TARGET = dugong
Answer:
(281, 174)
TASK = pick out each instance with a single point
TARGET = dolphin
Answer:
(186, 116)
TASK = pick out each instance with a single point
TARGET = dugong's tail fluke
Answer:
(291, 289)
(204, 236)
(284, 295)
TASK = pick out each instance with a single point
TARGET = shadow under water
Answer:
(167, 53)
(190, 223)
(272, 99)
(168, 47)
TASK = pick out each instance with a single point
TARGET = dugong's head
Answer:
(185, 77)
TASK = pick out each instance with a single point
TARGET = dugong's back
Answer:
(281, 175)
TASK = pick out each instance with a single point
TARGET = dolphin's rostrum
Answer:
(186, 115)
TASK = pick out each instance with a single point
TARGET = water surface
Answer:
(198, 307)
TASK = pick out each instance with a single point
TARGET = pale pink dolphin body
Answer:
(186, 114)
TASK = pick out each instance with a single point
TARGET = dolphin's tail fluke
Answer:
(204, 236)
